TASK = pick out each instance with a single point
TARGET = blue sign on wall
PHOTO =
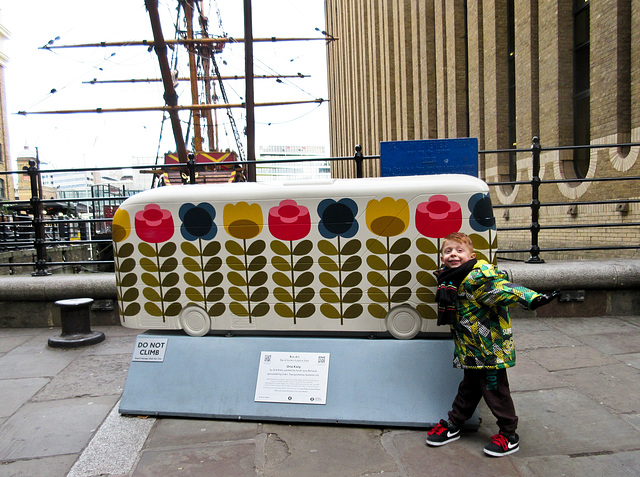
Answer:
(429, 156)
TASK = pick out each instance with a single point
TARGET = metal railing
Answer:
(39, 232)
(536, 204)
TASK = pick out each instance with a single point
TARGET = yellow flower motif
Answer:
(387, 217)
(121, 225)
(242, 220)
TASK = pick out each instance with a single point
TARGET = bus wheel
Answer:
(403, 322)
(195, 321)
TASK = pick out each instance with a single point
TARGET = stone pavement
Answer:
(575, 386)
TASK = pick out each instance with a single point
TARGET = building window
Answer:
(511, 83)
(2, 190)
(581, 92)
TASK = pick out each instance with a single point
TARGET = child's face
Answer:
(455, 254)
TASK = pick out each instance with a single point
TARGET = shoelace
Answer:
(501, 441)
(438, 429)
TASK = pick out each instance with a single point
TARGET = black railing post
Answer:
(38, 224)
(191, 164)
(359, 159)
(534, 252)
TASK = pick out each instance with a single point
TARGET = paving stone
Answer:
(527, 375)
(614, 343)
(611, 386)
(57, 465)
(526, 325)
(88, 376)
(10, 342)
(557, 391)
(631, 359)
(324, 450)
(633, 419)
(118, 331)
(171, 432)
(7, 332)
(543, 339)
(634, 320)
(622, 464)
(16, 392)
(566, 422)
(112, 345)
(593, 326)
(569, 357)
(51, 428)
(233, 460)
(34, 358)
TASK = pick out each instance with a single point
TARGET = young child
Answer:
(472, 297)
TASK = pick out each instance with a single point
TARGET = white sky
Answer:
(91, 139)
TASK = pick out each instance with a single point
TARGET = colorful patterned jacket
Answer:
(482, 334)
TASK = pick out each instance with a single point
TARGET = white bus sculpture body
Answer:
(339, 256)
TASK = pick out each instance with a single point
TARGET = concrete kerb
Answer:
(575, 274)
(57, 287)
(28, 301)
(570, 275)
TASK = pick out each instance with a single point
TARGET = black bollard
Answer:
(76, 325)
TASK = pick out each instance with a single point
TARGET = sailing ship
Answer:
(208, 96)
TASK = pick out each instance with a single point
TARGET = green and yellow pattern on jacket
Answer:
(482, 335)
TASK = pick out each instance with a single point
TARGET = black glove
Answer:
(544, 300)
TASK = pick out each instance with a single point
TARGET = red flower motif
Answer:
(289, 221)
(438, 217)
(153, 224)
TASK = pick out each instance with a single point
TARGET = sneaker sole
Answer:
(438, 444)
(501, 454)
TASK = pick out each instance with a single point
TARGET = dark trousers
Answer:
(493, 386)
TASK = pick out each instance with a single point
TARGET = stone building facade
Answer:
(504, 71)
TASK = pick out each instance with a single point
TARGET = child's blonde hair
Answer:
(460, 238)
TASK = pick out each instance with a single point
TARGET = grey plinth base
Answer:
(76, 326)
(382, 382)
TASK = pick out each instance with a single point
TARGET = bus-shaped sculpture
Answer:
(338, 256)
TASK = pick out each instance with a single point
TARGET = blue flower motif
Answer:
(337, 218)
(197, 221)
(481, 218)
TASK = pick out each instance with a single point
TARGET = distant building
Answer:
(140, 181)
(292, 171)
(80, 181)
(6, 181)
(24, 181)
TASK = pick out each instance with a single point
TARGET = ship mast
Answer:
(249, 98)
(212, 126)
(170, 96)
(193, 74)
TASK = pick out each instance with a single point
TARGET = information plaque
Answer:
(429, 156)
(297, 378)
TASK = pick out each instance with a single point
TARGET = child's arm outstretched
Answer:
(494, 289)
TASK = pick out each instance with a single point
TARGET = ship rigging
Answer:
(208, 94)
